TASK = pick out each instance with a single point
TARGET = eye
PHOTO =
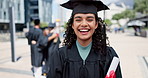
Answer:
(78, 20)
(89, 20)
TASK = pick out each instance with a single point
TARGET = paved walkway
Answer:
(133, 53)
(19, 69)
(132, 50)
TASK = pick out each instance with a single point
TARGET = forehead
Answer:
(84, 15)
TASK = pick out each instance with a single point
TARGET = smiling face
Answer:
(84, 26)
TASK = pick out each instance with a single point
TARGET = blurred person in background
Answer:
(34, 35)
(37, 41)
(52, 45)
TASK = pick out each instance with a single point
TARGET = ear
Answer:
(72, 26)
(96, 25)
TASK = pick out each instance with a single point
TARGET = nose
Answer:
(84, 23)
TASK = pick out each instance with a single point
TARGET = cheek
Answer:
(74, 29)
(74, 26)
(95, 26)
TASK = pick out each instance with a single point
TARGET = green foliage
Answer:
(117, 16)
(65, 25)
(43, 24)
(108, 22)
(141, 6)
(128, 14)
(125, 14)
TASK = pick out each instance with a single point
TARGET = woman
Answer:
(84, 54)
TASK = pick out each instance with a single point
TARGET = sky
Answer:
(108, 1)
(57, 2)
(56, 7)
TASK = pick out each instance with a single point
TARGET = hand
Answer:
(57, 34)
(111, 75)
(33, 42)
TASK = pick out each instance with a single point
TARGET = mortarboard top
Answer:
(85, 6)
(51, 25)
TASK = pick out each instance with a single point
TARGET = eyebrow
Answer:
(90, 17)
(81, 17)
(77, 17)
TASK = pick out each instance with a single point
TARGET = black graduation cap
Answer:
(85, 6)
(51, 25)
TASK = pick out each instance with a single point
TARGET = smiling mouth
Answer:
(84, 30)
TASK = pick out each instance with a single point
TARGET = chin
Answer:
(84, 38)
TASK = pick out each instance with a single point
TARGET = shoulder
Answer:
(37, 29)
(111, 53)
(63, 51)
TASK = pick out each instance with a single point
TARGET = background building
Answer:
(24, 11)
(41, 9)
(60, 13)
(18, 12)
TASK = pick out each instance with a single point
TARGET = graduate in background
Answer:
(52, 45)
(34, 35)
(83, 54)
(37, 41)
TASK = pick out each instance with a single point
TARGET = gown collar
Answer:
(74, 55)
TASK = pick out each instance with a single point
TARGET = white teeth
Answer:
(83, 30)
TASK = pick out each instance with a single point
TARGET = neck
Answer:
(84, 43)
(36, 26)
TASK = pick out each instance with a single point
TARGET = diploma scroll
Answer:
(113, 67)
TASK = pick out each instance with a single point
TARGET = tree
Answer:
(65, 25)
(128, 14)
(43, 24)
(141, 6)
(117, 16)
(108, 22)
(125, 14)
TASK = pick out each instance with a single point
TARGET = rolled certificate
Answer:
(113, 67)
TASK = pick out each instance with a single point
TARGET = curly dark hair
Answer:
(98, 36)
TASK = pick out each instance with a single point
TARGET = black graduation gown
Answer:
(48, 51)
(67, 63)
(36, 50)
(52, 47)
(28, 35)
